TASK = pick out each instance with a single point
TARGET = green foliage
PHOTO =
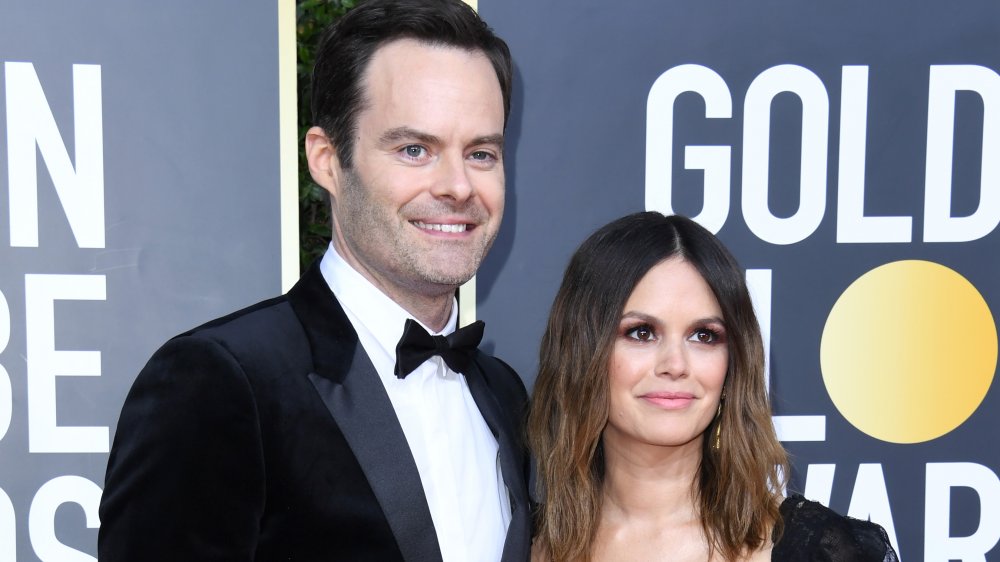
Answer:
(312, 17)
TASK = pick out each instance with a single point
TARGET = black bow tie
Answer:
(417, 346)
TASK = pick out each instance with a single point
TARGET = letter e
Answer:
(45, 363)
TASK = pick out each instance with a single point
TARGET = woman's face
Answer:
(669, 360)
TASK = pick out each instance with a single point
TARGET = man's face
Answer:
(423, 202)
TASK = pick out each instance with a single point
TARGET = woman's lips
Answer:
(669, 400)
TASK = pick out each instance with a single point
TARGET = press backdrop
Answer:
(849, 154)
(139, 196)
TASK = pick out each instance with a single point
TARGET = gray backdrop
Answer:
(577, 158)
(176, 110)
(165, 212)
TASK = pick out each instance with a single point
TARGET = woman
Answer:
(650, 421)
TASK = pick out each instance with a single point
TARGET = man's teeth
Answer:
(440, 227)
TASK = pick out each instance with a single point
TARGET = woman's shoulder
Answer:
(813, 531)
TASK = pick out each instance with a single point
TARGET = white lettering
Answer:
(799, 428)
(759, 285)
(819, 482)
(756, 153)
(8, 530)
(41, 517)
(852, 224)
(45, 363)
(945, 82)
(6, 396)
(714, 160)
(939, 545)
(30, 123)
(870, 500)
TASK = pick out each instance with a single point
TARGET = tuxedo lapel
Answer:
(511, 462)
(350, 388)
(368, 422)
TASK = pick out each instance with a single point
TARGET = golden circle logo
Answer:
(909, 351)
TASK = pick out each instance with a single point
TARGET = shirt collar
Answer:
(381, 315)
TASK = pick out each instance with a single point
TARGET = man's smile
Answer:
(456, 228)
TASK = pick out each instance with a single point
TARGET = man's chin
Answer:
(448, 280)
(448, 277)
(446, 268)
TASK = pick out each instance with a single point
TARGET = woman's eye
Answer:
(705, 336)
(641, 333)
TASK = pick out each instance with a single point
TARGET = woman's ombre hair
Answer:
(735, 486)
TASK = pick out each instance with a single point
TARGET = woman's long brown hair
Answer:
(736, 483)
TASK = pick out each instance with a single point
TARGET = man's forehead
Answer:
(393, 58)
(430, 79)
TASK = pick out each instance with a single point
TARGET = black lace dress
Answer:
(814, 533)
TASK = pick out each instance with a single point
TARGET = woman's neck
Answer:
(651, 483)
(649, 510)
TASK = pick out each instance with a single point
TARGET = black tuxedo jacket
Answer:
(267, 435)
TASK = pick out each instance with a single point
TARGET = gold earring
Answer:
(718, 416)
(718, 427)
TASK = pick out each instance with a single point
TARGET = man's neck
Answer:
(430, 303)
(433, 312)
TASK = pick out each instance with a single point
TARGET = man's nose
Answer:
(454, 181)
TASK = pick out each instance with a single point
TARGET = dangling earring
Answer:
(718, 426)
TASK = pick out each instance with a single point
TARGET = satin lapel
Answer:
(351, 390)
(365, 416)
(517, 543)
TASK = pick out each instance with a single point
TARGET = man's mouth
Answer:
(440, 227)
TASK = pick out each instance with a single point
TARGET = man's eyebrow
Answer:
(489, 139)
(406, 133)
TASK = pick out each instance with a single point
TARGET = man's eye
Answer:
(482, 155)
(414, 151)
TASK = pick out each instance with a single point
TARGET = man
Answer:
(291, 430)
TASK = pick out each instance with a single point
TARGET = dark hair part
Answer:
(348, 45)
(570, 404)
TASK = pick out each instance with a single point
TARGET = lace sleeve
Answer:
(816, 533)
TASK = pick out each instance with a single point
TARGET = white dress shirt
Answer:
(454, 449)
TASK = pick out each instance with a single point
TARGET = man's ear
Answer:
(324, 165)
